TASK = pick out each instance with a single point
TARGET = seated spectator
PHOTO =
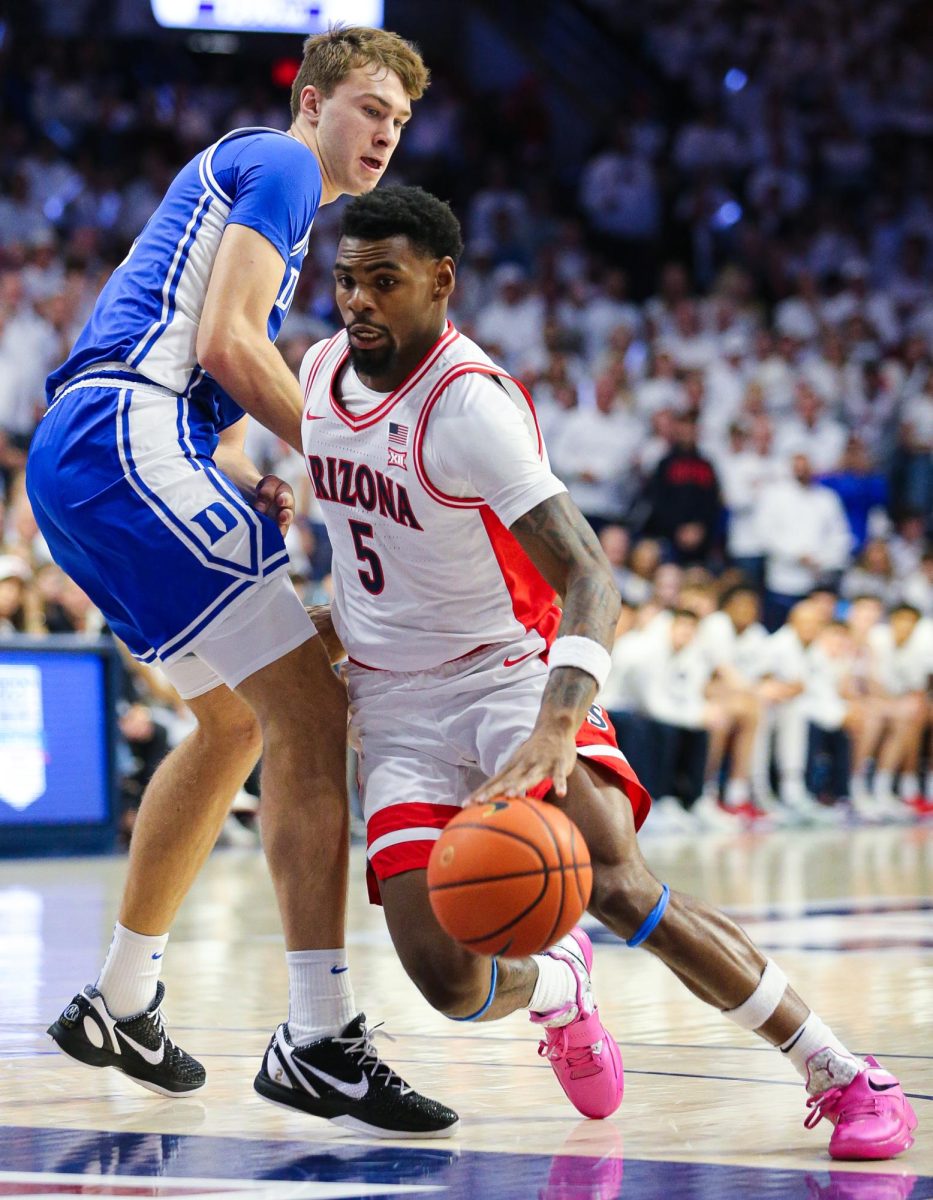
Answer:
(616, 544)
(872, 575)
(806, 539)
(736, 645)
(16, 614)
(879, 740)
(908, 543)
(917, 587)
(682, 497)
(903, 662)
(783, 692)
(637, 580)
(669, 675)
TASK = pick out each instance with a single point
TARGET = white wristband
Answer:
(583, 653)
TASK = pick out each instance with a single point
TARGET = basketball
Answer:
(509, 877)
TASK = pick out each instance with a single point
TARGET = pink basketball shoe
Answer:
(873, 1118)
(579, 1048)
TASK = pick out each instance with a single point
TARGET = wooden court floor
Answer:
(708, 1111)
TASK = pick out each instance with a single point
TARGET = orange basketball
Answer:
(509, 877)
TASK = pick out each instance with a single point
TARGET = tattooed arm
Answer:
(563, 547)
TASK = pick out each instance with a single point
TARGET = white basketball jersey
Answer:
(420, 577)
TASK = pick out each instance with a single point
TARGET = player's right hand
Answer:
(547, 754)
(275, 498)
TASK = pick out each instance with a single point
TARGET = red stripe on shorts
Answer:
(407, 855)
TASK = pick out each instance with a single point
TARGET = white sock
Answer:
(909, 786)
(838, 1066)
(928, 790)
(131, 971)
(737, 793)
(320, 998)
(883, 784)
(556, 985)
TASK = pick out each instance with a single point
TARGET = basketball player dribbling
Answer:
(140, 484)
(451, 541)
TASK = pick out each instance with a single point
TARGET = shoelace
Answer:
(157, 1020)
(580, 1059)
(364, 1050)
(869, 1106)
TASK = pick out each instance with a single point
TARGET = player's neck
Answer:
(305, 134)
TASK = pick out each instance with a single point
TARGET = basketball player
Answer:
(451, 538)
(140, 484)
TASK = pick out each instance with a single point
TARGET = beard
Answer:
(377, 361)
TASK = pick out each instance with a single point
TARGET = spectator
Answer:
(806, 539)
(682, 497)
(593, 452)
(811, 432)
(872, 574)
(863, 492)
(746, 469)
(514, 320)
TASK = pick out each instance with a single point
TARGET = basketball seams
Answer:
(440, 887)
(470, 914)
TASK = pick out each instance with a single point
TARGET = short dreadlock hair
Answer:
(411, 212)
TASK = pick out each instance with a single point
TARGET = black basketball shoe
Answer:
(343, 1080)
(138, 1045)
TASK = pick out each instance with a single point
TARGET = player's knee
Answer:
(454, 988)
(622, 894)
(232, 725)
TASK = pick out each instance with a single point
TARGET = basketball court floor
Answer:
(709, 1112)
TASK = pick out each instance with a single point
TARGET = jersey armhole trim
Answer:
(468, 368)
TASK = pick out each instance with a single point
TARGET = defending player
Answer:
(139, 482)
(451, 537)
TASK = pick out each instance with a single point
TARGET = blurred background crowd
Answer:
(714, 276)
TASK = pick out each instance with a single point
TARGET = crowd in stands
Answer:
(723, 310)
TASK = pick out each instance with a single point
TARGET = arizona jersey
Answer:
(418, 488)
(147, 315)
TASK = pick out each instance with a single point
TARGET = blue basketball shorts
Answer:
(126, 493)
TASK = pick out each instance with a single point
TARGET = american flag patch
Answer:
(398, 434)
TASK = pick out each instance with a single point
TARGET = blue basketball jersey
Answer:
(148, 313)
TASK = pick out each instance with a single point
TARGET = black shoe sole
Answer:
(343, 1113)
(82, 1051)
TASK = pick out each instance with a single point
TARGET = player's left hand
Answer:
(275, 498)
(547, 754)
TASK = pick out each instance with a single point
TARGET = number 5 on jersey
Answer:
(373, 578)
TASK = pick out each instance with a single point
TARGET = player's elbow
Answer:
(223, 353)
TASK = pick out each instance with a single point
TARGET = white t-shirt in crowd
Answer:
(797, 522)
(743, 478)
(746, 652)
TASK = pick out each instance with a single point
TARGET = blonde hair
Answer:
(330, 57)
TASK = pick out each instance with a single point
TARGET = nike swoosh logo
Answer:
(513, 662)
(353, 1091)
(157, 955)
(338, 970)
(153, 1057)
(315, 416)
(881, 1087)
